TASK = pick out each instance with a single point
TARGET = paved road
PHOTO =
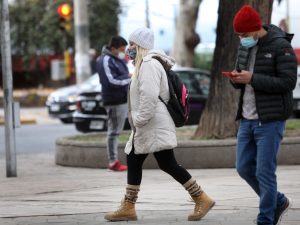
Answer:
(39, 137)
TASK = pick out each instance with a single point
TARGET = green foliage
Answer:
(203, 60)
(35, 26)
(103, 17)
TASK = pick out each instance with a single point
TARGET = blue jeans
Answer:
(256, 155)
(117, 115)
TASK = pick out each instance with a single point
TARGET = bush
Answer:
(203, 60)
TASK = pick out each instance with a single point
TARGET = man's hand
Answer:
(244, 77)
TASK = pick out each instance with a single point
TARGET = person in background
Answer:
(153, 129)
(114, 78)
(267, 75)
(93, 60)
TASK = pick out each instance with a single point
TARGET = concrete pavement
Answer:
(44, 193)
(47, 194)
(32, 115)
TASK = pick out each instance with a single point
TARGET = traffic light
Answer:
(65, 16)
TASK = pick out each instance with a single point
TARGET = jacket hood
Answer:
(160, 55)
(106, 51)
(275, 32)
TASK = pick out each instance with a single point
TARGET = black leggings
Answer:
(166, 162)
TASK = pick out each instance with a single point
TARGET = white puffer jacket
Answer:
(154, 129)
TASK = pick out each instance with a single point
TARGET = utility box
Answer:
(58, 70)
(16, 115)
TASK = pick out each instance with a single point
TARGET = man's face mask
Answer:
(249, 42)
(121, 55)
(131, 53)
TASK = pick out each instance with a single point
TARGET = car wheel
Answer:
(66, 120)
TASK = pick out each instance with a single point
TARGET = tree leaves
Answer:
(35, 26)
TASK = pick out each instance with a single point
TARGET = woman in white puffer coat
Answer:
(153, 130)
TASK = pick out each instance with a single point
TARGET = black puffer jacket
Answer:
(274, 76)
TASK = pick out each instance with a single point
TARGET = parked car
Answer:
(62, 103)
(296, 96)
(90, 114)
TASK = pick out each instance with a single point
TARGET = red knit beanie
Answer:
(246, 20)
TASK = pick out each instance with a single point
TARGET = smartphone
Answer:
(227, 74)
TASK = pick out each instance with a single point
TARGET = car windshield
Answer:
(195, 81)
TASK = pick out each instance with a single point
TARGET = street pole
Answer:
(288, 15)
(82, 43)
(147, 13)
(10, 145)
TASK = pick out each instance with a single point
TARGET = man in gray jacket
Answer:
(266, 74)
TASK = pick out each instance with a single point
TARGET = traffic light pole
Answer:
(10, 145)
(82, 43)
(65, 24)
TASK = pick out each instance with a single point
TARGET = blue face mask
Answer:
(248, 42)
(131, 53)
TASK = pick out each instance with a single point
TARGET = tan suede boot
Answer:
(203, 203)
(127, 209)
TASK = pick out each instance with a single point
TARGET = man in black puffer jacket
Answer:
(266, 74)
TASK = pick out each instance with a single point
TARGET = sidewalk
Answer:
(44, 193)
(32, 115)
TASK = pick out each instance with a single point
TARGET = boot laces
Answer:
(121, 207)
(198, 205)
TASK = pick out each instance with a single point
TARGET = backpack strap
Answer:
(166, 67)
(164, 63)
(162, 100)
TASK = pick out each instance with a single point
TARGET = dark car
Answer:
(90, 114)
(296, 96)
(62, 102)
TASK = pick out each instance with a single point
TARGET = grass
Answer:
(293, 124)
(99, 137)
(292, 128)
(183, 133)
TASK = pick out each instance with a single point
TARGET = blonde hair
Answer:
(140, 54)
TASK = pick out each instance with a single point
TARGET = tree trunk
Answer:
(186, 38)
(218, 117)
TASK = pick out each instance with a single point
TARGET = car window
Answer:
(195, 81)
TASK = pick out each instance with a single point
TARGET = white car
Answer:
(62, 102)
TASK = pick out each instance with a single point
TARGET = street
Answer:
(39, 137)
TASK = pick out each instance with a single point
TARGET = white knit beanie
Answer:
(143, 37)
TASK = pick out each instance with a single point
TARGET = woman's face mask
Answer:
(249, 42)
(131, 53)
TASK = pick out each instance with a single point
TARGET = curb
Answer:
(189, 154)
(23, 120)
